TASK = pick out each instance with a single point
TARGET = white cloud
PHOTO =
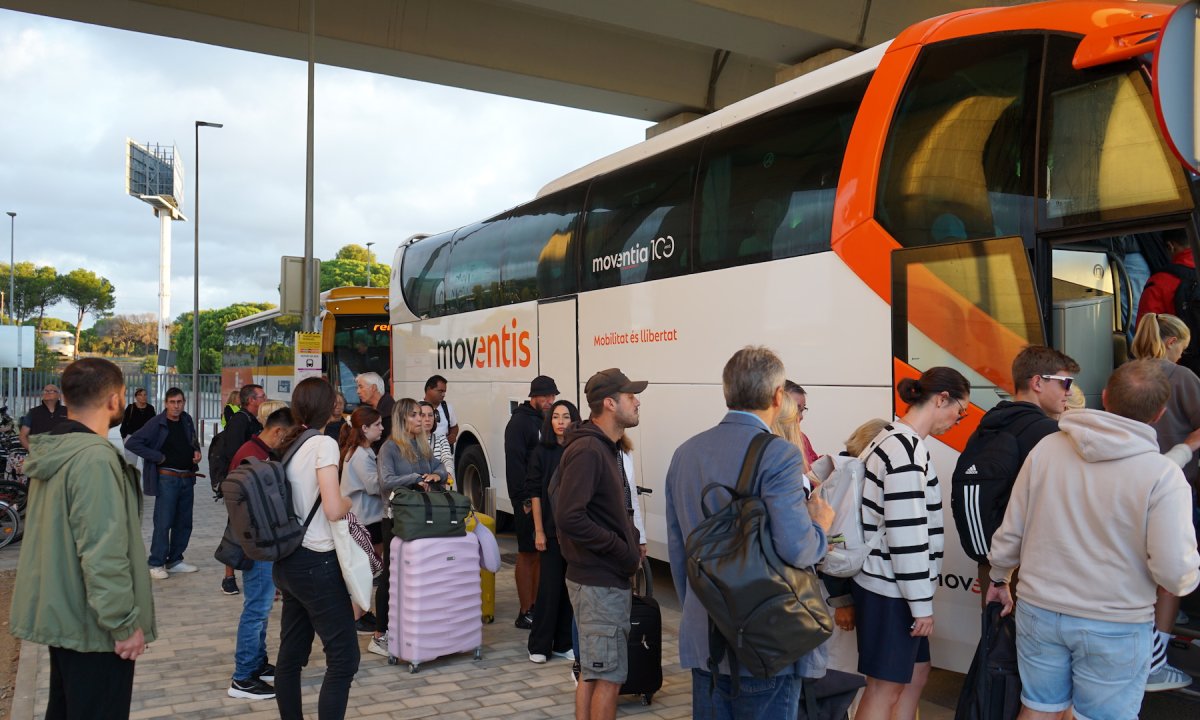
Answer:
(393, 157)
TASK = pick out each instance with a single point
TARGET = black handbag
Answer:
(437, 513)
(992, 689)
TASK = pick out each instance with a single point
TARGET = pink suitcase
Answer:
(435, 599)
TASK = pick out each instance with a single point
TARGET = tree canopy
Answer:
(36, 287)
(212, 335)
(89, 294)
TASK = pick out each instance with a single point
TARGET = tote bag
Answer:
(356, 566)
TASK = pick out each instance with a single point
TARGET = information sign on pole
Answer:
(308, 356)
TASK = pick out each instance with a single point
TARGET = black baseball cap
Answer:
(607, 383)
(543, 385)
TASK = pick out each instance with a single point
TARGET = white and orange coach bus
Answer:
(989, 179)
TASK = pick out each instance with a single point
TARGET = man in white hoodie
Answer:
(1097, 519)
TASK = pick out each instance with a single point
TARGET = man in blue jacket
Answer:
(753, 380)
(168, 445)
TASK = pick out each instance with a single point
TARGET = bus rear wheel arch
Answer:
(473, 476)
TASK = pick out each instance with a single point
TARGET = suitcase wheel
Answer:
(646, 698)
(414, 667)
(489, 619)
(479, 653)
(392, 660)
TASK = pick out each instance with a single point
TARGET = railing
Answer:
(20, 400)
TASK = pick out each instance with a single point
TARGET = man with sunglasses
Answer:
(988, 466)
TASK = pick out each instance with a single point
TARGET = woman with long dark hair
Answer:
(315, 598)
(552, 616)
(893, 595)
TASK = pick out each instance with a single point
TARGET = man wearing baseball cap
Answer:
(593, 510)
(521, 436)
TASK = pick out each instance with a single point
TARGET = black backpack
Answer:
(992, 689)
(258, 497)
(983, 481)
(1187, 309)
(767, 613)
(218, 463)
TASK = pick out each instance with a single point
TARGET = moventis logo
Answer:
(507, 348)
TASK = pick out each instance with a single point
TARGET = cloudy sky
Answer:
(393, 157)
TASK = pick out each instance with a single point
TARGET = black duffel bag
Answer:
(437, 513)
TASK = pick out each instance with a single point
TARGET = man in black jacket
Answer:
(521, 436)
(241, 427)
(593, 510)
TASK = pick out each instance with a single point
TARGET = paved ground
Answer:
(186, 672)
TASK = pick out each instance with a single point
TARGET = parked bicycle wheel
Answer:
(10, 524)
(14, 494)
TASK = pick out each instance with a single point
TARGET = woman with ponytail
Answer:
(1163, 338)
(893, 595)
(360, 468)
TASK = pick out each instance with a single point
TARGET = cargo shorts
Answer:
(602, 614)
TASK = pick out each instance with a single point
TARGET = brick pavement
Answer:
(186, 671)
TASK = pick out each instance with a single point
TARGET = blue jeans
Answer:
(777, 698)
(315, 602)
(172, 520)
(1099, 667)
(258, 593)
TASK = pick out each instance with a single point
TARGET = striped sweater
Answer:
(902, 495)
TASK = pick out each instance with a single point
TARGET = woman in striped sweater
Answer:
(893, 595)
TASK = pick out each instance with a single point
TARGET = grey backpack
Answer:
(258, 497)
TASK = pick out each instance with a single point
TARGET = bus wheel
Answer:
(473, 476)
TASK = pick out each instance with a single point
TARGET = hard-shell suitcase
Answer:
(435, 602)
(487, 580)
(645, 641)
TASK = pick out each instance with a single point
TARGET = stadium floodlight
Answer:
(154, 175)
(196, 287)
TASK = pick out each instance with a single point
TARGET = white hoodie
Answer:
(1097, 519)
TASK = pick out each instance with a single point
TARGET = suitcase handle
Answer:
(647, 578)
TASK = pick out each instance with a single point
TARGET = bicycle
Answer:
(10, 524)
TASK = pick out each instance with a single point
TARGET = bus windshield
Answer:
(361, 343)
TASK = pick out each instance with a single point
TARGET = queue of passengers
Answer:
(1099, 523)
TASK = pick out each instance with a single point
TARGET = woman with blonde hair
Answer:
(1163, 338)
(787, 426)
(405, 461)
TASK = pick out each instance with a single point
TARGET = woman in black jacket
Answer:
(137, 414)
(552, 616)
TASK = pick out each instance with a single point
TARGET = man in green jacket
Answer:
(83, 587)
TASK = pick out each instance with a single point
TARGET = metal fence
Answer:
(19, 400)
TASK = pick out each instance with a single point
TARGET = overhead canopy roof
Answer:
(647, 59)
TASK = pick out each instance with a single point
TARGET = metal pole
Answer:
(369, 263)
(12, 305)
(196, 291)
(309, 312)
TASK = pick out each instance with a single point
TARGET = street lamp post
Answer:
(12, 284)
(196, 289)
(369, 263)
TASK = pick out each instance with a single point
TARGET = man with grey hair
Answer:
(1097, 520)
(753, 381)
(373, 392)
(44, 416)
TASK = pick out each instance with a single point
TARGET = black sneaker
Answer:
(266, 672)
(524, 620)
(365, 625)
(229, 586)
(252, 689)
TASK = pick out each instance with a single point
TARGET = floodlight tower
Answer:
(154, 175)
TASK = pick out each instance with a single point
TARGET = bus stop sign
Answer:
(1176, 70)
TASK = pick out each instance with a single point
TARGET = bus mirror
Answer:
(1176, 70)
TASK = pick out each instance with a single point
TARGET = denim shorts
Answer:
(1099, 667)
(602, 614)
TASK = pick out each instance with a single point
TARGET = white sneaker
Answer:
(159, 573)
(537, 658)
(1167, 678)
(378, 645)
(182, 567)
(565, 654)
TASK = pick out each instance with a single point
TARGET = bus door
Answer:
(1094, 287)
(558, 344)
(971, 306)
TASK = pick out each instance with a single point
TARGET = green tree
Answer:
(130, 334)
(52, 323)
(89, 294)
(212, 335)
(352, 273)
(36, 288)
(354, 252)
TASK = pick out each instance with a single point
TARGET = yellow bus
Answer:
(355, 338)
